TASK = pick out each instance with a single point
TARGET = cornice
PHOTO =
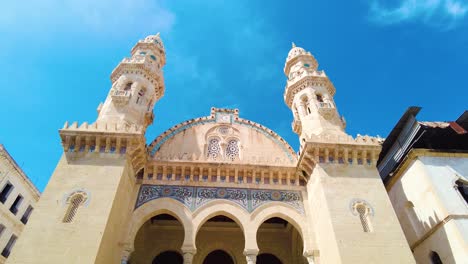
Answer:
(339, 151)
(4, 154)
(106, 138)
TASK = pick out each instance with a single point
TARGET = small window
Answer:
(26, 214)
(7, 250)
(14, 207)
(153, 57)
(74, 201)
(142, 53)
(363, 212)
(128, 86)
(319, 98)
(306, 65)
(6, 192)
(462, 188)
(141, 93)
(435, 259)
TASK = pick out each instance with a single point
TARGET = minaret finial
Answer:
(293, 44)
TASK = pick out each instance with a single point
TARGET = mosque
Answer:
(213, 189)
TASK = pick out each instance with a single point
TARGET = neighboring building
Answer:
(213, 189)
(18, 197)
(424, 166)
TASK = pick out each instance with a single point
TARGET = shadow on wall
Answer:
(425, 234)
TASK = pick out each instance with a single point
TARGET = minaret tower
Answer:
(309, 94)
(348, 201)
(137, 84)
(84, 211)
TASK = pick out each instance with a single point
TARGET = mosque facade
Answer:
(213, 189)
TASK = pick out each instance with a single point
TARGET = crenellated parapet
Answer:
(339, 150)
(105, 138)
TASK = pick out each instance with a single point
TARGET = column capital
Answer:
(251, 255)
(188, 252)
(311, 255)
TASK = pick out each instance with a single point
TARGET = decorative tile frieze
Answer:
(195, 197)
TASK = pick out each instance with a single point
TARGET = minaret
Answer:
(90, 195)
(347, 198)
(309, 94)
(137, 84)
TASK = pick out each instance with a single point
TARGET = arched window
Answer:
(74, 201)
(319, 98)
(305, 103)
(128, 86)
(232, 150)
(435, 259)
(363, 210)
(462, 188)
(213, 151)
(141, 94)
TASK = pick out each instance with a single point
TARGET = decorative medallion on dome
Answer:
(224, 130)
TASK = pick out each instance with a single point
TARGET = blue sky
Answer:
(382, 56)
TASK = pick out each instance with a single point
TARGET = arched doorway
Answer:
(168, 257)
(266, 258)
(276, 235)
(219, 240)
(158, 241)
(218, 257)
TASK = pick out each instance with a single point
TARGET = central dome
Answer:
(223, 137)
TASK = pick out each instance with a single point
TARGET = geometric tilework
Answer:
(194, 197)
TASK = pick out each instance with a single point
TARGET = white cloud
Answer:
(441, 13)
(87, 15)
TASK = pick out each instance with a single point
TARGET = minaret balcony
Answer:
(326, 109)
(297, 126)
(120, 97)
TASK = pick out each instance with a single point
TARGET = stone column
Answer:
(188, 254)
(251, 255)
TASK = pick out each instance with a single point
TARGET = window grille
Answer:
(232, 150)
(75, 201)
(363, 212)
(213, 149)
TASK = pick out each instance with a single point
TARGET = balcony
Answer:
(326, 109)
(120, 97)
